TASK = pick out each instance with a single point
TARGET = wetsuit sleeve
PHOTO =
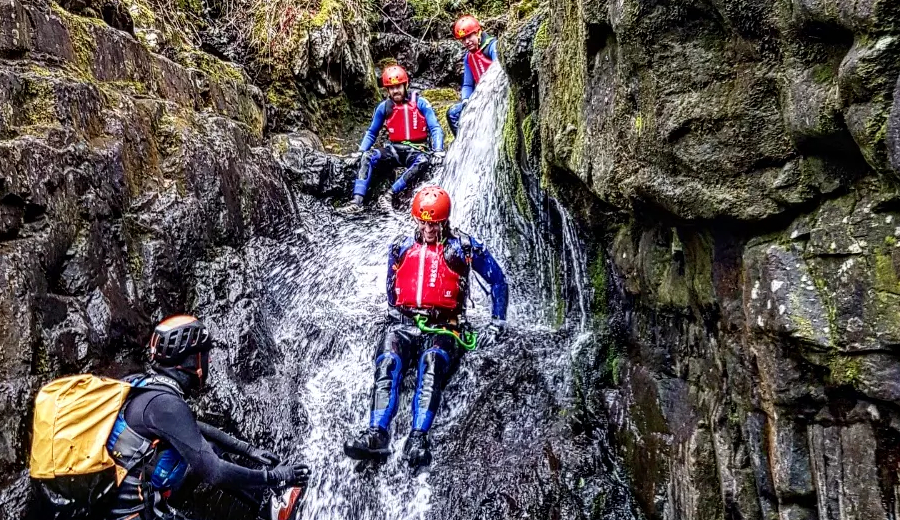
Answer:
(222, 439)
(435, 132)
(170, 419)
(491, 50)
(372, 133)
(468, 84)
(485, 265)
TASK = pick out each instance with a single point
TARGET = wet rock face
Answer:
(130, 190)
(748, 155)
(743, 110)
(757, 378)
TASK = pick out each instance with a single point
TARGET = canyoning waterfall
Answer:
(325, 287)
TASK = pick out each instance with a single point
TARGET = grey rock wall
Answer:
(734, 165)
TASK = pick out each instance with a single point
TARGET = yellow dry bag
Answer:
(73, 417)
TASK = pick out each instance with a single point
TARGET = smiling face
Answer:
(430, 231)
(396, 92)
(471, 41)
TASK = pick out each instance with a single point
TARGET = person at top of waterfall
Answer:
(157, 426)
(413, 133)
(481, 51)
(427, 287)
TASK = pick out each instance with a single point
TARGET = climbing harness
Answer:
(467, 340)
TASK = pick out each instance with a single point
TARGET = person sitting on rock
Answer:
(427, 288)
(157, 426)
(481, 51)
(412, 128)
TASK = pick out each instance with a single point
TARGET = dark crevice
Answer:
(34, 212)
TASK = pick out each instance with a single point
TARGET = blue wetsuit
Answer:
(468, 84)
(438, 355)
(405, 154)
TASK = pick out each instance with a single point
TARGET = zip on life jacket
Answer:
(425, 281)
(406, 122)
(479, 61)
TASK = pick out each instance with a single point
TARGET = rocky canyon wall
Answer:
(736, 164)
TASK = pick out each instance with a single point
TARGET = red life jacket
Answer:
(425, 281)
(478, 62)
(407, 122)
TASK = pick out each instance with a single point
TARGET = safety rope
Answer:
(467, 340)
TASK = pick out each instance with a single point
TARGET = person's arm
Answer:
(372, 133)
(491, 50)
(468, 84)
(170, 419)
(435, 132)
(396, 250)
(485, 265)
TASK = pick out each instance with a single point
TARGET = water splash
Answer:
(326, 302)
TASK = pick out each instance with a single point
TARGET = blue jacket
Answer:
(435, 132)
(455, 255)
(468, 84)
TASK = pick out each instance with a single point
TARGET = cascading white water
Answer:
(327, 287)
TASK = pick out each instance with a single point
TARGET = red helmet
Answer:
(394, 75)
(432, 204)
(465, 26)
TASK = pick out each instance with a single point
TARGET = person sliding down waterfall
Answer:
(411, 126)
(481, 51)
(427, 285)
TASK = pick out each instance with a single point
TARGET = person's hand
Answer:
(492, 333)
(263, 456)
(437, 158)
(288, 475)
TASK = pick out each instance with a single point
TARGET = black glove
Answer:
(492, 333)
(288, 475)
(262, 456)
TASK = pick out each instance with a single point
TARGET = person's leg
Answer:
(416, 164)
(389, 365)
(435, 363)
(453, 115)
(367, 164)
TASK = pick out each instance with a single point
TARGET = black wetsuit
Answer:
(164, 415)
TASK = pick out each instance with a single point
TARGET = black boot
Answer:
(418, 449)
(371, 444)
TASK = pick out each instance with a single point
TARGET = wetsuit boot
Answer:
(371, 444)
(418, 449)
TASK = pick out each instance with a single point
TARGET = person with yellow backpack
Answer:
(104, 448)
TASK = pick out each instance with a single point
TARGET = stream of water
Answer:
(327, 288)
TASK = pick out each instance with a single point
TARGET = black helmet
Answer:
(177, 337)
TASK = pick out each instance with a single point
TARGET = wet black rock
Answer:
(429, 63)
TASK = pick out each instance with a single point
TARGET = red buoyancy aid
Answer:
(479, 62)
(425, 281)
(407, 122)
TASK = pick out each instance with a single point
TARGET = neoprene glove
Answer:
(437, 158)
(263, 456)
(492, 333)
(288, 475)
